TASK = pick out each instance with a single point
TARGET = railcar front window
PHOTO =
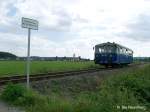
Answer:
(109, 49)
(101, 50)
(105, 49)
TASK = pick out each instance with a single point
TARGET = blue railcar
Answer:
(111, 54)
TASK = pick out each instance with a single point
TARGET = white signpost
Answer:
(30, 24)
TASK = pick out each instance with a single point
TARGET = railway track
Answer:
(42, 76)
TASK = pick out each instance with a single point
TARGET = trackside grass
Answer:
(125, 92)
(8, 68)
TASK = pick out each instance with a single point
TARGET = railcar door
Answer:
(109, 49)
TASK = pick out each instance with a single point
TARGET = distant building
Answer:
(35, 58)
(9, 56)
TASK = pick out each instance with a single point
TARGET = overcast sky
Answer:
(75, 26)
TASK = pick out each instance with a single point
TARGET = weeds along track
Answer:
(50, 75)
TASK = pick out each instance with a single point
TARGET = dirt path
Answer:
(5, 108)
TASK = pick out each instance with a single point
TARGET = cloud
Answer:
(138, 29)
(74, 26)
(13, 43)
(41, 46)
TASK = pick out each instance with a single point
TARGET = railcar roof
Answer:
(109, 43)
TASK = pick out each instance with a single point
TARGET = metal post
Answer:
(30, 24)
(28, 59)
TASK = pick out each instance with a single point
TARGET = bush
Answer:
(52, 104)
(18, 95)
(29, 98)
(12, 92)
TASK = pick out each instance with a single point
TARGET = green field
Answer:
(18, 67)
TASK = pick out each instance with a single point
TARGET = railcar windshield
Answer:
(106, 49)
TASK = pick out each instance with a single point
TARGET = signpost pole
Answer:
(30, 24)
(28, 59)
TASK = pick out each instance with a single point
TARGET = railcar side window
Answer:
(130, 53)
(100, 50)
(118, 50)
(123, 51)
(127, 52)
